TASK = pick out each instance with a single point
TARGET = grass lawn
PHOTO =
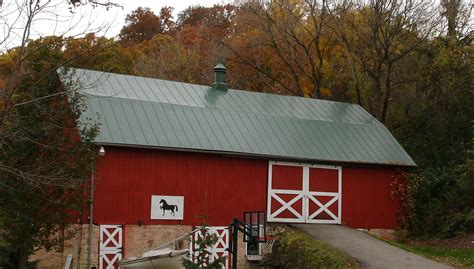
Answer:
(458, 258)
(297, 249)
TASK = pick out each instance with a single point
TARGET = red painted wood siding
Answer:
(219, 187)
(367, 200)
(323, 180)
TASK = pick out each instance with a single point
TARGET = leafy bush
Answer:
(296, 249)
(438, 202)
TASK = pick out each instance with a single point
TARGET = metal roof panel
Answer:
(149, 112)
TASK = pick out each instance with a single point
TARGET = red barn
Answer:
(214, 153)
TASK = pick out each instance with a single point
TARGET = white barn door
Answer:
(110, 246)
(304, 193)
(324, 191)
(286, 193)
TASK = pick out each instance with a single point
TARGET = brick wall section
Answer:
(242, 262)
(139, 239)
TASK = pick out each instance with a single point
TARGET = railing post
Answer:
(235, 234)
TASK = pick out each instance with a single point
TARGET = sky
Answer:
(57, 18)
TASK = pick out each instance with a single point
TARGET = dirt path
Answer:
(370, 252)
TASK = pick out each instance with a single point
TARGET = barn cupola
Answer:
(219, 78)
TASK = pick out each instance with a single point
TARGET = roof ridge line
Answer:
(244, 112)
(230, 89)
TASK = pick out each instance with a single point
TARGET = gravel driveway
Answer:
(370, 252)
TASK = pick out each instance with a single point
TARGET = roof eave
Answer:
(260, 156)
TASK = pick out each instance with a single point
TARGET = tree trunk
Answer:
(375, 97)
(388, 92)
(451, 13)
(22, 258)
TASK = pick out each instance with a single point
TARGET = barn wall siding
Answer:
(219, 188)
(215, 187)
(367, 200)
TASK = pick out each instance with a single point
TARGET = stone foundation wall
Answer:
(137, 239)
(387, 234)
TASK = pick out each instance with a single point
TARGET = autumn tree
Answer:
(142, 24)
(296, 44)
(458, 17)
(378, 35)
(165, 57)
(98, 53)
(431, 115)
(218, 20)
(46, 156)
(45, 159)
(188, 53)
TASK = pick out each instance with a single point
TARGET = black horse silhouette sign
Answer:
(167, 207)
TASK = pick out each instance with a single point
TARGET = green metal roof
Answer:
(146, 112)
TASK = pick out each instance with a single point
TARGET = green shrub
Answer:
(438, 203)
(9, 258)
(296, 249)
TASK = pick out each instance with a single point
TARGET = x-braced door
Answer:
(110, 246)
(220, 249)
(324, 194)
(300, 193)
(286, 193)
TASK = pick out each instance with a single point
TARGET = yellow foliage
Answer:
(326, 92)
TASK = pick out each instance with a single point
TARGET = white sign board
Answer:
(167, 207)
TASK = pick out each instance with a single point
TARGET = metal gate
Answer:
(110, 246)
(300, 193)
